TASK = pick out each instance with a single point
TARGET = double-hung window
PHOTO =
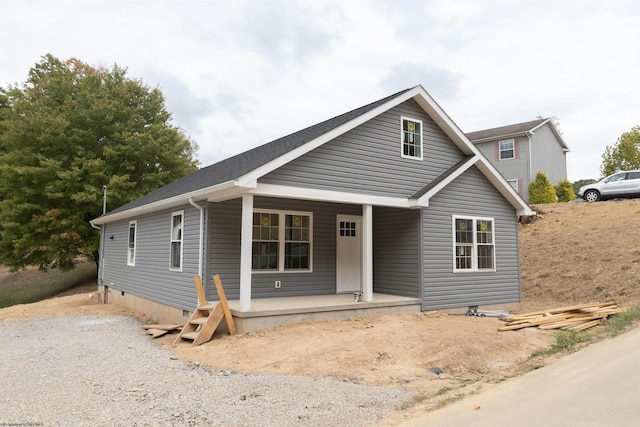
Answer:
(411, 138)
(131, 250)
(281, 241)
(177, 231)
(507, 149)
(474, 244)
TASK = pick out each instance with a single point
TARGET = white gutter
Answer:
(164, 203)
(201, 245)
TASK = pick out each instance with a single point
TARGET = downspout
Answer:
(201, 245)
(531, 177)
(101, 250)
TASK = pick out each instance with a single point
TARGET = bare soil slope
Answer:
(581, 252)
(572, 253)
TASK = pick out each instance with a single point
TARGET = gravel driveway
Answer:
(103, 371)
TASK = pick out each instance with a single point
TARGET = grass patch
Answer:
(614, 325)
(621, 322)
(24, 287)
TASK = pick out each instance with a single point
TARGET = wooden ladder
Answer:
(205, 319)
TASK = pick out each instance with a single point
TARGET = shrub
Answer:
(564, 191)
(541, 190)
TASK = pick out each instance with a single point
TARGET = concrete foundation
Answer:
(269, 313)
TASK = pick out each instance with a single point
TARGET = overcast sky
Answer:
(237, 74)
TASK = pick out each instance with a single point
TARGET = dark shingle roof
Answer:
(236, 166)
(515, 129)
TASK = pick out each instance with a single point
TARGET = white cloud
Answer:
(238, 74)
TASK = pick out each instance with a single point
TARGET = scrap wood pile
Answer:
(159, 330)
(574, 318)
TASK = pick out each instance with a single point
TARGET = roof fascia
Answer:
(226, 188)
(499, 137)
(467, 147)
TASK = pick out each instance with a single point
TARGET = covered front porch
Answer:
(267, 313)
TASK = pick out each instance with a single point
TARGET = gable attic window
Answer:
(177, 229)
(507, 149)
(281, 241)
(411, 138)
(474, 244)
(131, 250)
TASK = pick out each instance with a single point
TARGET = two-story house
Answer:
(521, 150)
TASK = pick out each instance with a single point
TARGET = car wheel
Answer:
(591, 196)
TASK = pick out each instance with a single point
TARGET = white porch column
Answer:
(367, 253)
(245, 252)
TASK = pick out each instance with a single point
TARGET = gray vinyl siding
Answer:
(224, 249)
(547, 155)
(469, 195)
(368, 159)
(151, 277)
(396, 251)
(516, 168)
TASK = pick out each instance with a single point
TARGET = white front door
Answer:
(348, 253)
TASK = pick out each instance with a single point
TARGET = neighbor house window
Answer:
(131, 250)
(411, 138)
(177, 231)
(507, 149)
(474, 246)
(281, 241)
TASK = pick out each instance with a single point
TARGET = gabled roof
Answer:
(240, 164)
(514, 130)
(229, 178)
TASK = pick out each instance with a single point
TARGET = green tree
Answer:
(624, 155)
(541, 190)
(564, 191)
(67, 131)
(576, 185)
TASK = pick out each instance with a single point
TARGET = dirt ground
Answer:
(572, 253)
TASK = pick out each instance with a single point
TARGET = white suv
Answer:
(620, 184)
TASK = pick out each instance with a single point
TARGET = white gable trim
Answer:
(555, 132)
(424, 199)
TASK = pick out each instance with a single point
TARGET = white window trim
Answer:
(513, 181)
(474, 257)
(281, 241)
(402, 119)
(171, 241)
(132, 262)
(513, 149)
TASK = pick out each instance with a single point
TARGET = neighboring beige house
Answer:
(521, 150)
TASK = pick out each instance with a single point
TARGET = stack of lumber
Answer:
(159, 330)
(575, 318)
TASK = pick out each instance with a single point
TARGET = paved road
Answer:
(598, 386)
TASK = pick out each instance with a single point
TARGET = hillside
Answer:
(581, 252)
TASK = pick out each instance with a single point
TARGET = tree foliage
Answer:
(564, 191)
(624, 155)
(67, 131)
(541, 190)
(577, 184)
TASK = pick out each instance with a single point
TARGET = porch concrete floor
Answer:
(324, 303)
